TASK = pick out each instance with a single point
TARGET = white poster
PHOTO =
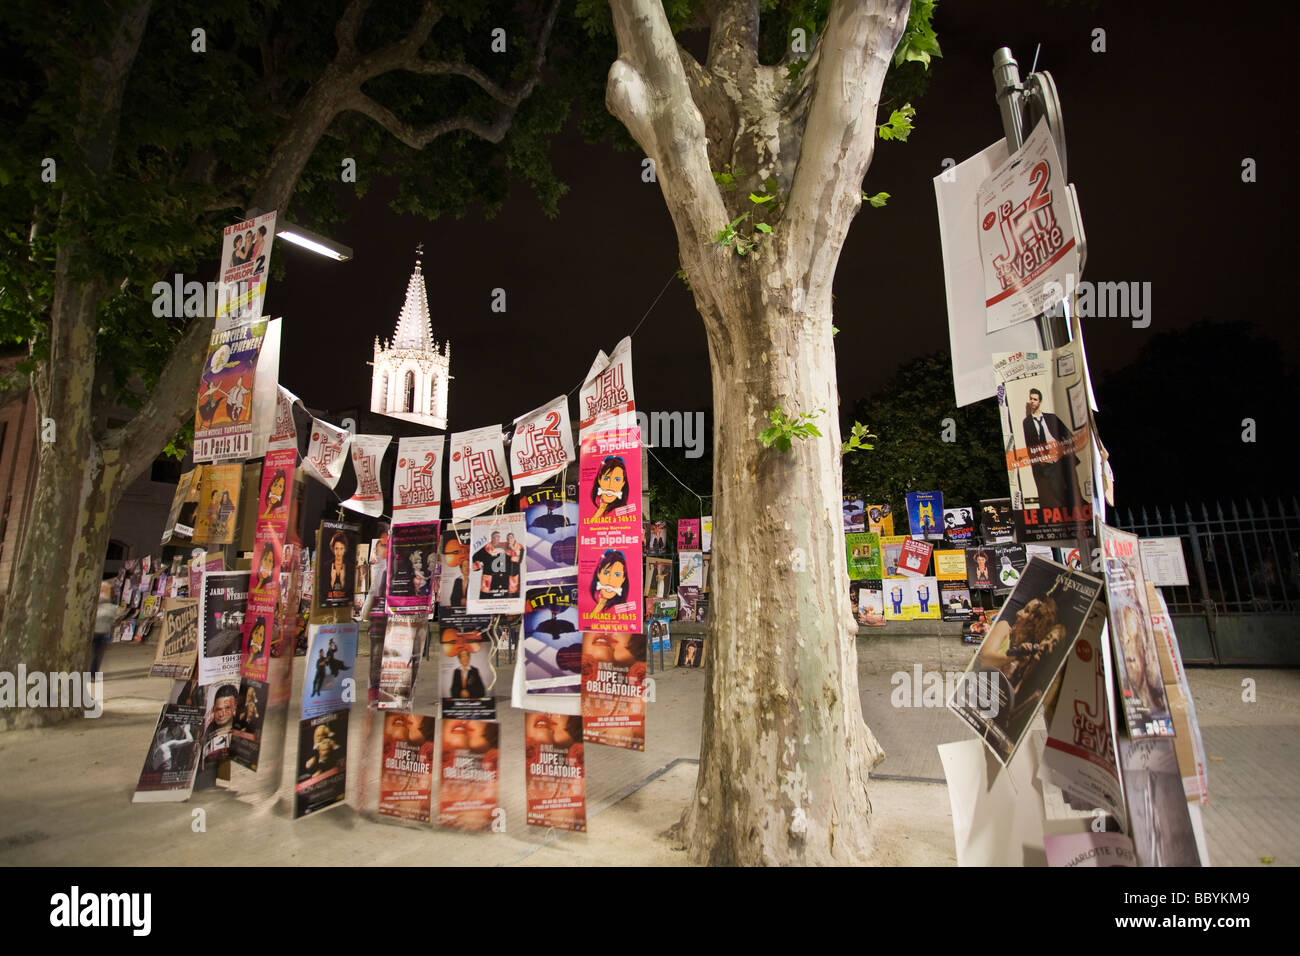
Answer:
(326, 452)
(479, 476)
(284, 433)
(245, 264)
(417, 480)
(496, 548)
(706, 532)
(607, 390)
(1027, 243)
(542, 444)
(1162, 562)
(954, 192)
(367, 456)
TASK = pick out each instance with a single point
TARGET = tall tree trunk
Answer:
(785, 753)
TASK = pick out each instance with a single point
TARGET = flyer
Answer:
(690, 571)
(981, 568)
(467, 678)
(880, 519)
(478, 473)
(470, 768)
(367, 457)
(914, 558)
(1022, 654)
(404, 639)
(223, 419)
(958, 525)
(866, 559)
(225, 596)
(555, 772)
(855, 514)
(542, 444)
(1027, 242)
(613, 689)
(867, 599)
(607, 391)
(1046, 431)
(706, 533)
(656, 632)
(336, 569)
(453, 574)
(688, 534)
(168, 772)
(1137, 657)
(406, 776)
(925, 515)
(609, 586)
(497, 556)
(245, 265)
(246, 737)
(284, 433)
(331, 668)
(1187, 731)
(217, 512)
(1160, 823)
(657, 537)
(891, 546)
(178, 647)
(552, 641)
(658, 577)
(996, 523)
(417, 480)
(322, 763)
(954, 593)
(173, 528)
(551, 533)
(413, 556)
(326, 452)
(1009, 561)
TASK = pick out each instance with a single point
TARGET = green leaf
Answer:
(878, 200)
(762, 227)
(900, 124)
(756, 198)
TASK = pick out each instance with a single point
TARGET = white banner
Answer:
(542, 444)
(367, 456)
(607, 389)
(417, 480)
(326, 452)
(479, 475)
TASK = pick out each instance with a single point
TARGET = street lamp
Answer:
(312, 241)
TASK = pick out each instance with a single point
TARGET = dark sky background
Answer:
(1156, 126)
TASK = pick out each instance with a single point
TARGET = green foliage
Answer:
(919, 41)
(910, 454)
(878, 200)
(899, 126)
(857, 440)
(731, 234)
(784, 430)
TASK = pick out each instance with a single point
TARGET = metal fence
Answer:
(1244, 561)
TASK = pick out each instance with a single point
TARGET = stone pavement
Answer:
(65, 792)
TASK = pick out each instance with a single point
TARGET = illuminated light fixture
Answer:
(313, 241)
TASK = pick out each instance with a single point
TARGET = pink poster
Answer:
(273, 504)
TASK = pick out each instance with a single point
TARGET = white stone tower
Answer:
(411, 374)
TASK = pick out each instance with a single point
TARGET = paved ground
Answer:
(65, 792)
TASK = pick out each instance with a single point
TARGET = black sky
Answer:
(1157, 128)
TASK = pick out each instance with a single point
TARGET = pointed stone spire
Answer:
(414, 328)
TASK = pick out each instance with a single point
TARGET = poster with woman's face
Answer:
(406, 777)
(336, 566)
(609, 482)
(555, 771)
(610, 596)
(613, 689)
(1146, 706)
(471, 756)
(412, 567)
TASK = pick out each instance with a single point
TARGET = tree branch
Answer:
(733, 37)
(418, 137)
(840, 134)
(345, 31)
(648, 92)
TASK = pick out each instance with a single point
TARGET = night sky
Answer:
(1156, 127)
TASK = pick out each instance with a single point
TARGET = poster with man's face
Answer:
(336, 567)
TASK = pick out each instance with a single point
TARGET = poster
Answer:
(336, 568)
(1027, 242)
(1080, 755)
(1009, 561)
(665, 608)
(688, 600)
(403, 647)
(867, 599)
(542, 444)
(284, 433)
(470, 768)
(925, 515)
(657, 538)
(1043, 406)
(880, 519)
(1159, 821)
(656, 632)
(173, 529)
(222, 701)
(950, 575)
(658, 577)
(996, 523)
(178, 647)
(855, 514)
(322, 763)
(690, 571)
(690, 652)
(367, 457)
(613, 689)
(478, 473)
(225, 596)
(467, 678)
(417, 480)
(223, 419)
(326, 452)
(274, 503)
(891, 547)
(217, 512)
(1162, 562)
(706, 533)
(555, 771)
(688, 534)
(1023, 652)
(331, 665)
(497, 557)
(609, 531)
(914, 557)
(958, 525)
(981, 568)
(453, 575)
(413, 557)
(607, 390)
(927, 606)
(1137, 658)
(169, 766)
(245, 265)
(552, 641)
(900, 598)
(406, 775)
(246, 736)
(866, 560)
(1187, 730)
(550, 533)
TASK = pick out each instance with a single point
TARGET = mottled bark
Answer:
(784, 752)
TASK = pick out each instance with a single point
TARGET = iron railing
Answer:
(1242, 561)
